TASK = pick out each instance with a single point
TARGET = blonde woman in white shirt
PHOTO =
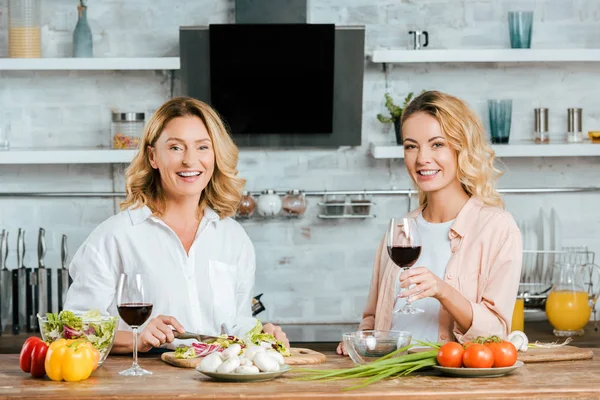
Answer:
(175, 227)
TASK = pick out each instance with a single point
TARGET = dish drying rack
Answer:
(537, 270)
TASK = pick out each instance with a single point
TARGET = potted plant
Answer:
(395, 114)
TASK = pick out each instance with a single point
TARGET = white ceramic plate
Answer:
(547, 245)
(556, 228)
(478, 372)
(235, 377)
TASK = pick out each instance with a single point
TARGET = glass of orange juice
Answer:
(518, 317)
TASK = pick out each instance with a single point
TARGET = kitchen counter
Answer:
(325, 337)
(567, 379)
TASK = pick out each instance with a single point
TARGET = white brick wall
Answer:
(310, 270)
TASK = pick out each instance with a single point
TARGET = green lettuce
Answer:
(92, 325)
(185, 352)
(258, 337)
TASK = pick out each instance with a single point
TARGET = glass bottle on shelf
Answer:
(83, 45)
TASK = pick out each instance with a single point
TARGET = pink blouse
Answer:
(485, 267)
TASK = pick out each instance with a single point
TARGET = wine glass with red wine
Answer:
(404, 248)
(134, 309)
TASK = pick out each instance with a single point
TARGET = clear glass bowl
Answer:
(49, 336)
(366, 346)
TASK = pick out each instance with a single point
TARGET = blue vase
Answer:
(83, 45)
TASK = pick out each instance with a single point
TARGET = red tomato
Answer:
(505, 353)
(478, 356)
(450, 355)
(33, 356)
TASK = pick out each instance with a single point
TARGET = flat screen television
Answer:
(273, 79)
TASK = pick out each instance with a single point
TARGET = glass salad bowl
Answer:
(367, 346)
(98, 329)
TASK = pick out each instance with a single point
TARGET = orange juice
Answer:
(518, 317)
(568, 310)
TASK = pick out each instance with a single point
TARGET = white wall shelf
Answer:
(486, 55)
(527, 149)
(71, 64)
(66, 156)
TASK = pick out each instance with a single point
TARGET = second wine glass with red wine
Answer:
(135, 309)
(404, 248)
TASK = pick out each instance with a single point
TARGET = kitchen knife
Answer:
(22, 283)
(44, 278)
(64, 280)
(5, 285)
(197, 336)
(16, 306)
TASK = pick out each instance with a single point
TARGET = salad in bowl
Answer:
(98, 329)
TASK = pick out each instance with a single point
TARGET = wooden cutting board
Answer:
(564, 353)
(299, 356)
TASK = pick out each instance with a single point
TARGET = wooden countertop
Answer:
(567, 379)
(325, 337)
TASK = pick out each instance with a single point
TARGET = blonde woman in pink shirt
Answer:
(467, 276)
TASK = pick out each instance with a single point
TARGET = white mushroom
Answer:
(247, 369)
(252, 351)
(245, 361)
(519, 339)
(210, 363)
(231, 351)
(266, 363)
(276, 355)
(229, 366)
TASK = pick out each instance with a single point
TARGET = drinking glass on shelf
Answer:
(404, 248)
(134, 309)
(520, 24)
(500, 113)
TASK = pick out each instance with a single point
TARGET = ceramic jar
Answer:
(269, 203)
(294, 203)
(247, 205)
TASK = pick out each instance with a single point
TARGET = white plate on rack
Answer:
(547, 246)
(556, 229)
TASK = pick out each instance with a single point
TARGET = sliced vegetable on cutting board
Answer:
(299, 356)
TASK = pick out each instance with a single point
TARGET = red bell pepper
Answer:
(33, 356)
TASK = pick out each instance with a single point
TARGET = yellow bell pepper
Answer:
(71, 360)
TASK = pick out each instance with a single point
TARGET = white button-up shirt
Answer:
(210, 286)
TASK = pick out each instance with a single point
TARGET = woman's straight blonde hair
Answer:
(465, 133)
(143, 184)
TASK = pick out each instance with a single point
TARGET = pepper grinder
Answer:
(540, 116)
(574, 126)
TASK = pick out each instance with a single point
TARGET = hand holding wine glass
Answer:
(134, 309)
(404, 248)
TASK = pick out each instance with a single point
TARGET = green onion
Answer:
(389, 366)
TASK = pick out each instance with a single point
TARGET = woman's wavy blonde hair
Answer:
(465, 133)
(143, 184)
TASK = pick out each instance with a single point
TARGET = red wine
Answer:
(404, 257)
(135, 314)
